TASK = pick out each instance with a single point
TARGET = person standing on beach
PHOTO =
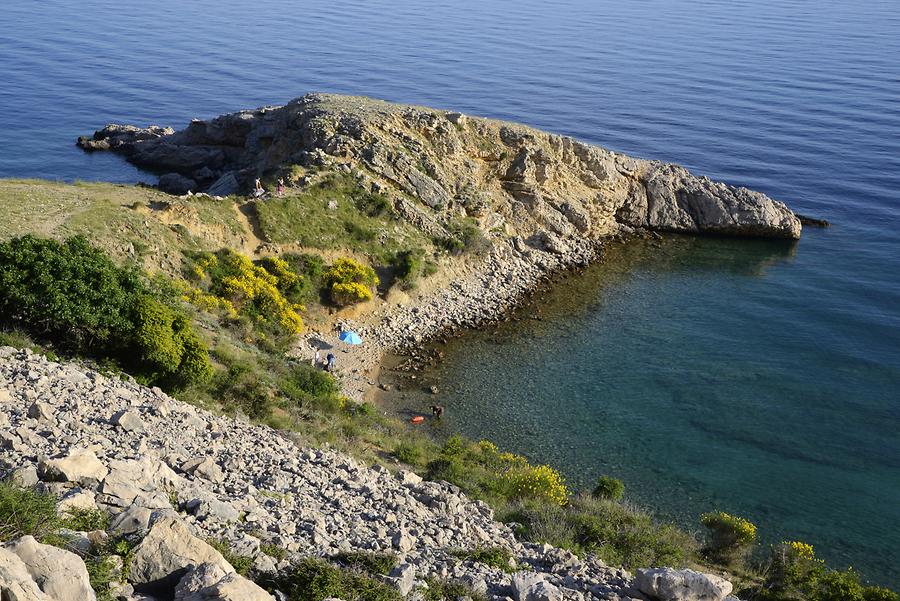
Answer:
(279, 189)
(318, 358)
(257, 188)
(331, 361)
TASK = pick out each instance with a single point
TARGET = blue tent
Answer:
(350, 337)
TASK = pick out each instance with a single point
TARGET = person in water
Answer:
(437, 411)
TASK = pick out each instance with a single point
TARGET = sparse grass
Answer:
(317, 579)
(273, 551)
(618, 533)
(375, 564)
(495, 557)
(449, 590)
(240, 563)
(25, 511)
(361, 222)
(103, 213)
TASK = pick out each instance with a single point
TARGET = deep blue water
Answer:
(730, 374)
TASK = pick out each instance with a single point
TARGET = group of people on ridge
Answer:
(259, 191)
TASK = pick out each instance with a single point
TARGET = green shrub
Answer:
(25, 511)
(407, 453)
(617, 533)
(609, 488)
(85, 520)
(794, 572)
(465, 237)
(169, 344)
(495, 557)
(447, 590)
(370, 203)
(449, 470)
(376, 564)
(316, 579)
(240, 563)
(71, 294)
(273, 551)
(409, 266)
(730, 536)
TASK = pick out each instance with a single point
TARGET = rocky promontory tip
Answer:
(517, 178)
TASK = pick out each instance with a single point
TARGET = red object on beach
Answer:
(417, 419)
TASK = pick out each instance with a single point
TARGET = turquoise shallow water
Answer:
(696, 371)
(726, 374)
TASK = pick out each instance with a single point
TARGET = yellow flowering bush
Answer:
(238, 287)
(536, 482)
(799, 550)
(730, 536)
(350, 281)
(352, 292)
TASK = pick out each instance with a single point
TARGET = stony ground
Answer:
(124, 447)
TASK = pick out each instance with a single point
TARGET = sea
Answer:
(756, 377)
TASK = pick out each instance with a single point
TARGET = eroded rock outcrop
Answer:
(528, 180)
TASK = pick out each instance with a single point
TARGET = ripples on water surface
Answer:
(728, 375)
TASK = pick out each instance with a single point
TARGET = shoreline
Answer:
(503, 281)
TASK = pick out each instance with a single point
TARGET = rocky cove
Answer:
(172, 475)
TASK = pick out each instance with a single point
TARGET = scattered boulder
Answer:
(204, 467)
(25, 477)
(209, 582)
(80, 466)
(226, 185)
(134, 520)
(16, 583)
(58, 573)
(77, 498)
(167, 553)
(527, 586)
(40, 411)
(130, 421)
(668, 584)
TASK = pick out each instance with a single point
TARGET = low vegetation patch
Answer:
(240, 563)
(26, 512)
(449, 590)
(794, 572)
(335, 212)
(619, 534)
(495, 557)
(317, 579)
(375, 564)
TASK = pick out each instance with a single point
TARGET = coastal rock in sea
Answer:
(506, 174)
(667, 584)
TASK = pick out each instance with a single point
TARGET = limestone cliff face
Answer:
(509, 176)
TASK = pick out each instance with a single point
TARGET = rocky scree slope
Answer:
(434, 164)
(172, 475)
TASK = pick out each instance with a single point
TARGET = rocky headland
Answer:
(173, 476)
(545, 202)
